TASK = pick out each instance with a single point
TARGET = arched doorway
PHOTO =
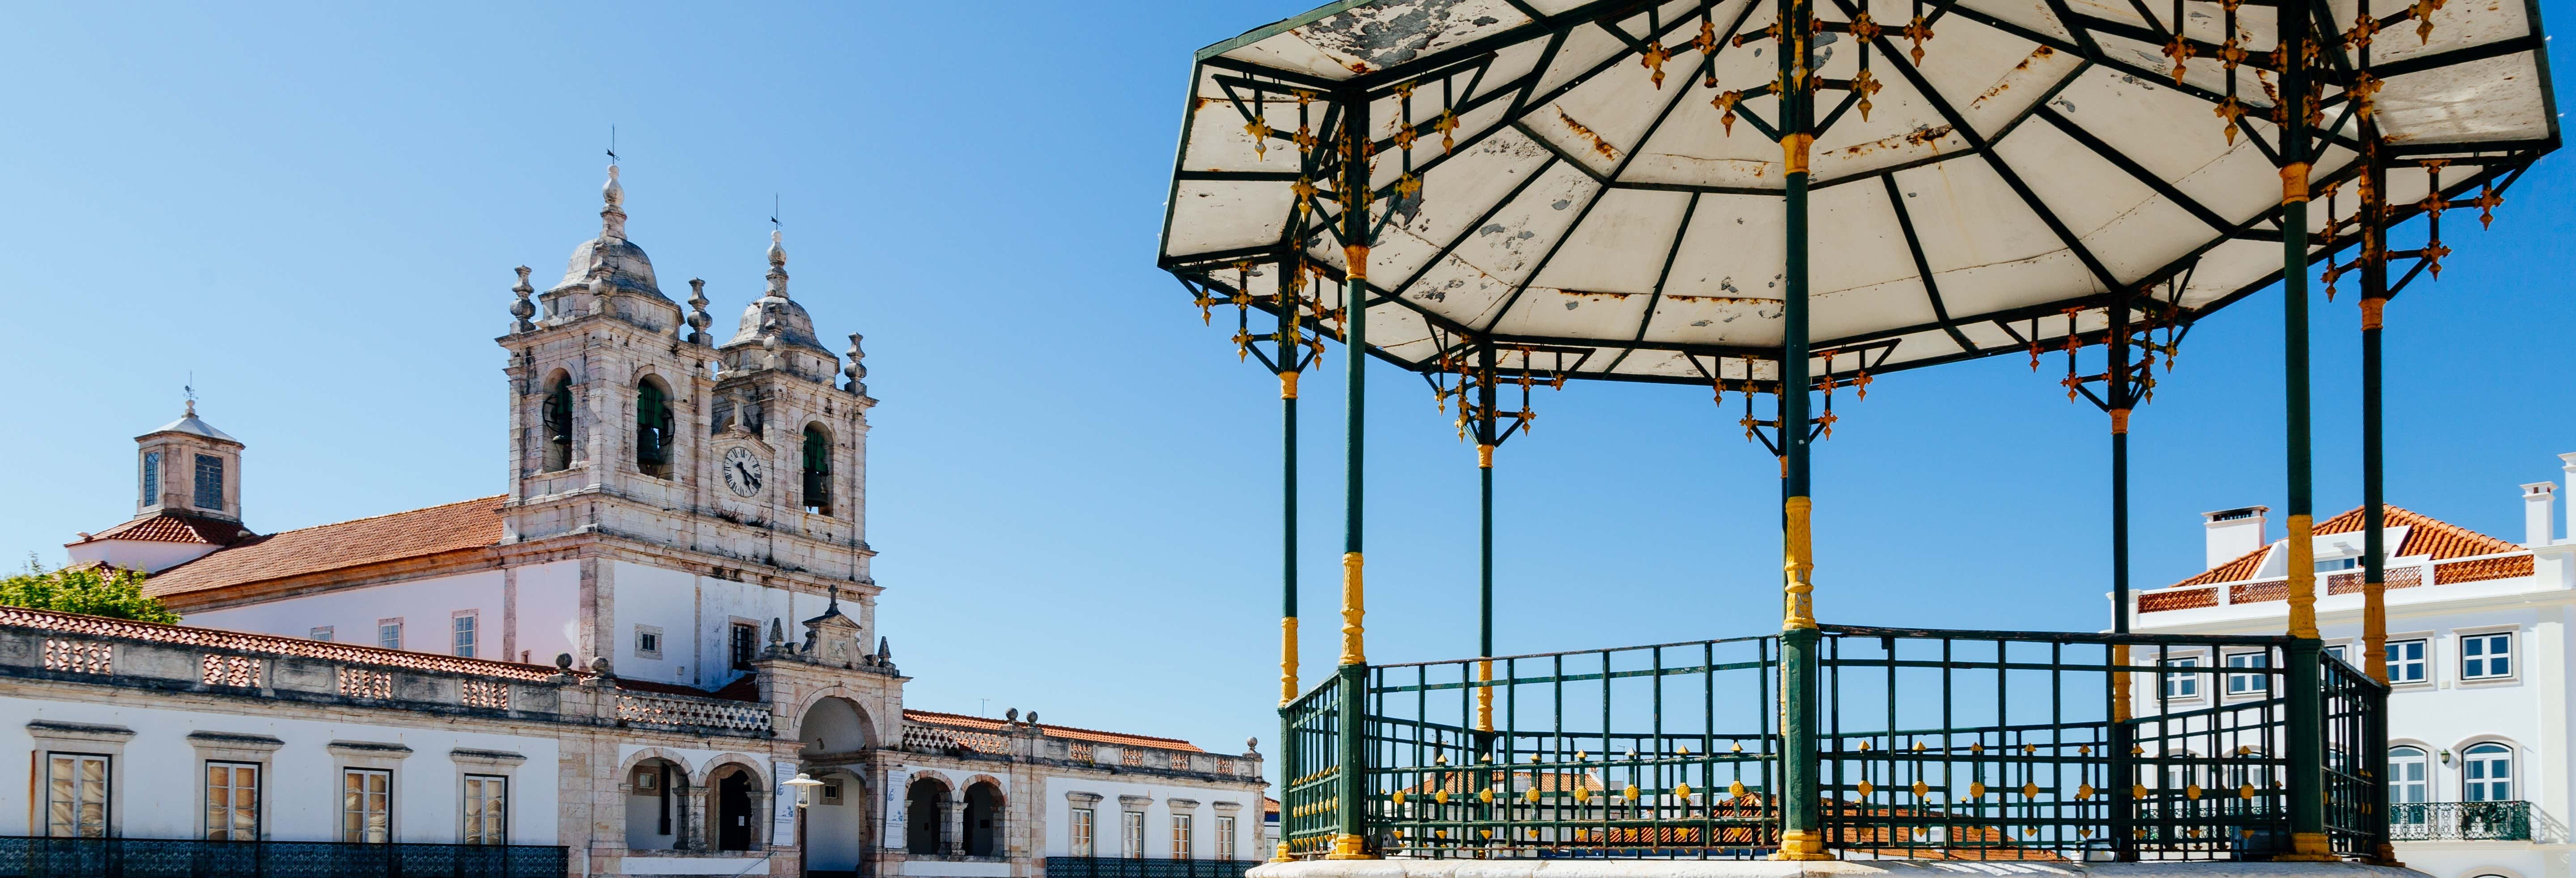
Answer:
(732, 809)
(925, 816)
(657, 806)
(983, 820)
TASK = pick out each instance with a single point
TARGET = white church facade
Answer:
(657, 650)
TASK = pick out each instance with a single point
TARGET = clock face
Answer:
(743, 471)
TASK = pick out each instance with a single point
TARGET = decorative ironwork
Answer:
(2460, 821)
(190, 858)
(1138, 867)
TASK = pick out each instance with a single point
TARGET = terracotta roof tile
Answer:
(471, 524)
(2483, 568)
(173, 527)
(216, 638)
(977, 723)
(2425, 536)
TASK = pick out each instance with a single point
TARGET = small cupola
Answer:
(188, 466)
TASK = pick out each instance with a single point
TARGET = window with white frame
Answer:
(2406, 777)
(76, 795)
(389, 633)
(366, 805)
(463, 626)
(2486, 773)
(2249, 683)
(1181, 836)
(1132, 842)
(2486, 656)
(1224, 837)
(487, 809)
(2406, 661)
(232, 801)
(1080, 829)
(321, 632)
(2337, 651)
(2182, 684)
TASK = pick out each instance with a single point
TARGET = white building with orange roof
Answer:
(640, 650)
(2478, 660)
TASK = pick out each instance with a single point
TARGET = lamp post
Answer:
(804, 785)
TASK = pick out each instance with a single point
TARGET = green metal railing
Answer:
(1930, 744)
(2460, 821)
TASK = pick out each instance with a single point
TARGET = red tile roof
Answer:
(216, 638)
(978, 723)
(471, 524)
(172, 527)
(2425, 536)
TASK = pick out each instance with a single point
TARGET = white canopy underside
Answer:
(2037, 164)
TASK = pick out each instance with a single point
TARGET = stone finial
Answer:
(599, 665)
(698, 317)
(777, 632)
(1033, 719)
(1011, 716)
(777, 266)
(885, 653)
(612, 215)
(522, 308)
(1253, 745)
(858, 372)
(563, 662)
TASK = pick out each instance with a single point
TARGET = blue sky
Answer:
(1073, 489)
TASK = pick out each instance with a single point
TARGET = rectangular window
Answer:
(1080, 829)
(2486, 656)
(389, 633)
(1132, 842)
(2249, 684)
(648, 642)
(76, 795)
(322, 633)
(210, 482)
(2183, 684)
(2336, 652)
(1224, 837)
(366, 806)
(1181, 836)
(152, 478)
(744, 643)
(2406, 661)
(232, 801)
(464, 635)
(487, 809)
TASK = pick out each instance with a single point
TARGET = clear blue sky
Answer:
(316, 210)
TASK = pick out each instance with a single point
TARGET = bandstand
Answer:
(1787, 198)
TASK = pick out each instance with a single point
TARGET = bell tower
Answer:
(189, 467)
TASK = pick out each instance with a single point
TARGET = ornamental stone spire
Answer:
(612, 216)
(777, 266)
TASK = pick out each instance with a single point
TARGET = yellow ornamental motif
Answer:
(1920, 790)
(1977, 790)
(1533, 795)
(2030, 790)
(1582, 794)
(1630, 792)
(2245, 792)
(1398, 797)
(1865, 788)
(1486, 796)
(1488, 832)
(1441, 797)
(1735, 789)
(1682, 791)
(2138, 792)
(2191, 792)
(2084, 792)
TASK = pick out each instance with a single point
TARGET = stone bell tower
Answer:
(189, 467)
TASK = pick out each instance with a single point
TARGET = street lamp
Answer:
(804, 785)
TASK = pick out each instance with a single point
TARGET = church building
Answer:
(655, 653)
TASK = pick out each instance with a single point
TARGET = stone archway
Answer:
(925, 816)
(835, 827)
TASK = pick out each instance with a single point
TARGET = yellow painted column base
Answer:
(2384, 855)
(1804, 845)
(1349, 847)
(2309, 847)
(1281, 855)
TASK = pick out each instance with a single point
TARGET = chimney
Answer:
(2539, 514)
(2568, 463)
(2234, 532)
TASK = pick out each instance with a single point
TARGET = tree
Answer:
(90, 591)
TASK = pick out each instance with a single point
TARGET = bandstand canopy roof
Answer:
(2040, 156)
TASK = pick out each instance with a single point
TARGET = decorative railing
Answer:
(705, 713)
(186, 858)
(1930, 744)
(1139, 867)
(2460, 821)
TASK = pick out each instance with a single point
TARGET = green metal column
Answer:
(2374, 511)
(1350, 841)
(2305, 723)
(1801, 822)
(1485, 442)
(2123, 778)
(1290, 284)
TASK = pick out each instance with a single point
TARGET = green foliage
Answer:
(116, 594)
